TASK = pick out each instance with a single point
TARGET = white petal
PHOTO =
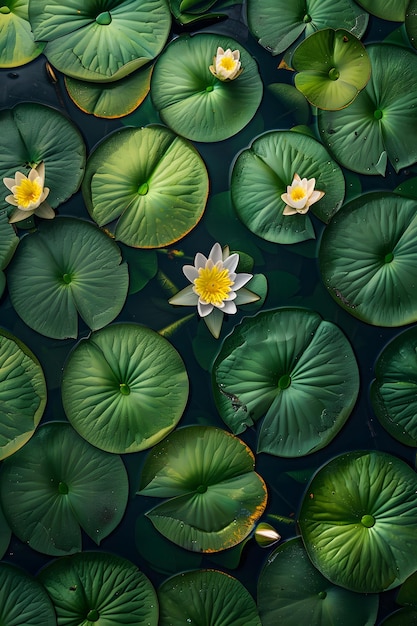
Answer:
(304, 210)
(289, 210)
(236, 55)
(245, 296)
(41, 173)
(229, 308)
(298, 204)
(45, 211)
(241, 279)
(185, 297)
(315, 196)
(231, 263)
(18, 216)
(19, 177)
(310, 186)
(220, 51)
(200, 260)
(214, 322)
(11, 200)
(45, 193)
(216, 253)
(190, 272)
(204, 309)
(296, 179)
(9, 182)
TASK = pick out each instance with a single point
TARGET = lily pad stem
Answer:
(168, 331)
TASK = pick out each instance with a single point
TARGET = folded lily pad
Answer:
(67, 267)
(17, 45)
(358, 521)
(192, 101)
(150, 180)
(215, 497)
(58, 484)
(124, 388)
(97, 587)
(292, 369)
(23, 600)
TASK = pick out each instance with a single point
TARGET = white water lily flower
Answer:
(226, 64)
(28, 195)
(300, 195)
(215, 287)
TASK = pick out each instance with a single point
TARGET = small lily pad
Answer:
(17, 45)
(23, 600)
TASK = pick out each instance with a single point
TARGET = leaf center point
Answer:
(63, 488)
(284, 382)
(104, 18)
(368, 521)
(124, 389)
(334, 73)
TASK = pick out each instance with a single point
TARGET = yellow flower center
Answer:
(227, 63)
(297, 193)
(27, 192)
(213, 285)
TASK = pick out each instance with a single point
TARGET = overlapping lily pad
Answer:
(292, 592)
(386, 9)
(278, 23)
(58, 484)
(100, 587)
(67, 267)
(150, 180)
(100, 41)
(215, 497)
(192, 101)
(220, 598)
(368, 259)
(262, 173)
(22, 394)
(358, 521)
(23, 600)
(8, 244)
(31, 133)
(292, 369)
(124, 388)
(381, 124)
(17, 45)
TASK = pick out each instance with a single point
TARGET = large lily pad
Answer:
(150, 180)
(100, 41)
(8, 244)
(192, 101)
(278, 23)
(17, 45)
(368, 259)
(386, 9)
(96, 587)
(292, 592)
(215, 497)
(381, 123)
(262, 173)
(31, 133)
(221, 599)
(124, 388)
(68, 266)
(394, 390)
(291, 368)
(23, 600)
(333, 67)
(56, 485)
(22, 394)
(358, 521)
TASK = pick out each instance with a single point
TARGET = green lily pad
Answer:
(96, 587)
(358, 521)
(403, 617)
(290, 103)
(215, 497)
(192, 101)
(17, 45)
(143, 266)
(68, 266)
(292, 592)
(393, 392)
(150, 180)
(189, 11)
(124, 388)
(291, 368)
(101, 41)
(262, 173)
(278, 23)
(56, 485)
(381, 123)
(110, 100)
(217, 597)
(333, 67)
(23, 600)
(386, 9)
(374, 236)
(411, 22)
(22, 394)
(407, 595)
(31, 133)
(8, 244)
(5, 534)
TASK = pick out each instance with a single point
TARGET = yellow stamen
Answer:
(27, 192)
(213, 285)
(297, 193)
(227, 63)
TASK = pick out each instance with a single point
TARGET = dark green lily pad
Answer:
(67, 267)
(411, 22)
(394, 390)
(407, 595)
(22, 394)
(333, 67)
(96, 587)
(386, 9)
(358, 521)
(8, 244)
(403, 617)
(189, 11)
(374, 237)
(5, 534)
(101, 41)
(215, 497)
(381, 123)
(17, 45)
(278, 23)
(110, 100)
(23, 600)
(31, 133)
(192, 101)
(291, 368)
(218, 598)
(262, 173)
(58, 484)
(124, 388)
(134, 177)
(292, 592)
